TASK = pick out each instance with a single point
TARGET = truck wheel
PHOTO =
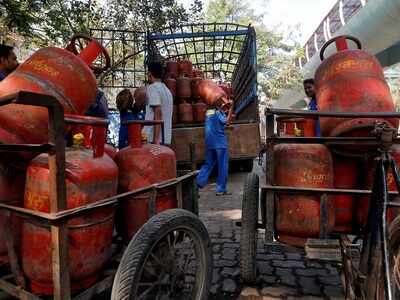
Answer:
(248, 233)
(247, 165)
(170, 257)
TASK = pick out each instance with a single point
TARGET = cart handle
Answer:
(149, 123)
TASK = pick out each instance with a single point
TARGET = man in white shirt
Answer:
(159, 105)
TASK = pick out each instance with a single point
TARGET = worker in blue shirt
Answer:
(217, 152)
(128, 110)
(99, 107)
(8, 61)
(309, 89)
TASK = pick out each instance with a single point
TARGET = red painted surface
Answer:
(194, 88)
(52, 71)
(183, 86)
(197, 73)
(140, 96)
(172, 69)
(110, 151)
(352, 81)
(363, 202)
(286, 128)
(346, 172)
(12, 182)
(185, 67)
(305, 126)
(298, 215)
(199, 112)
(141, 166)
(210, 93)
(185, 113)
(227, 88)
(171, 85)
(175, 115)
(88, 180)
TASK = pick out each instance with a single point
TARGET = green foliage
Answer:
(276, 51)
(19, 15)
(54, 21)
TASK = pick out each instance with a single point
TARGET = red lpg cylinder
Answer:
(299, 215)
(185, 68)
(227, 89)
(172, 69)
(90, 177)
(197, 73)
(53, 71)
(175, 117)
(363, 202)
(194, 88)
(351, 81)
(110, 151)
(185, 113)
(171, 85)
(289, 126)
(210, 93)
(140, 96)
(199, 112)
(141, 166)
(346, 172)
(12, 182)
(184, 88)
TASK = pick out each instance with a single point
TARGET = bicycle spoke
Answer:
(171, 267)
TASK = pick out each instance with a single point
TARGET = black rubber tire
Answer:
(394, 252)
(248, 233)
(129, 270)
(247, 165)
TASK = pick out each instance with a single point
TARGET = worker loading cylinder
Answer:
(141, 166)
(58, 72)
(90, 176)
(351, 81)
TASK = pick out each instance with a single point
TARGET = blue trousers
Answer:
(219, 157)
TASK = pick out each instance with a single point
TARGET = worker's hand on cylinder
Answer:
(231, 115)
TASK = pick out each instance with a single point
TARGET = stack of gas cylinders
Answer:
(191, 91)
(94, 171)
(347, 81)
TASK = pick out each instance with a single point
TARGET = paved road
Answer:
(284, 274)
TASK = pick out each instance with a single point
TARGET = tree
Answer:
(276, 51)
(54, 21)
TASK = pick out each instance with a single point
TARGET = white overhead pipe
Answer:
(376, 25)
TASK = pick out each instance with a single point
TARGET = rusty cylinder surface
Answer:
(52, 71)
(299, 215)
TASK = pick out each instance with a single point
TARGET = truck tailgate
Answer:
(243, 139)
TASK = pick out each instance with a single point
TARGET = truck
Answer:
(224, 52)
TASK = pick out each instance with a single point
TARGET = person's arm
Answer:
(221, 117)
(157, 128)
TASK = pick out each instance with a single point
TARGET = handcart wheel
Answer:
(79, 41)
(248, 233)
(394, 251)
(170, 257)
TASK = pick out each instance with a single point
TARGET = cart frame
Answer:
(375, 257)
(186, 191)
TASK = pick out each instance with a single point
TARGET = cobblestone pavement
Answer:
(284, 273)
